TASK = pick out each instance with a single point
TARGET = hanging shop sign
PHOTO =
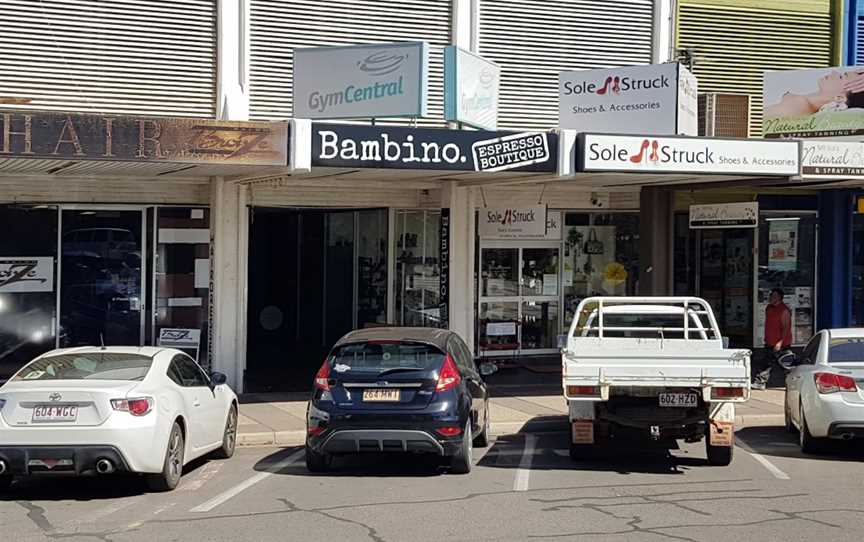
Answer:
(52, 135)
(813, 103)
(743, 214)
(832, 159)
(382, 80)
(658, 99)
(528, 222)
(391, 147)
(444, 275)
(600, 152)
(26, 274)
(470, 88)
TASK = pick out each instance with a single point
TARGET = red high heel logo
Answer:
(602, 90)
(654, 157)
(636, 158)
(615, 85)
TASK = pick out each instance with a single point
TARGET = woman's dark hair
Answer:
(778, 291)
(855, 100)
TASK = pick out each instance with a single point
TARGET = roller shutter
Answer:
(859, 43)
(734, 45)
(122, 56)
(533, 41)
(278, 26)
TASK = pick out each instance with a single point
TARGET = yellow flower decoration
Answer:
(615, 273)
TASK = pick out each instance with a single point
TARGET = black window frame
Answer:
(179, 359)
(809, 358)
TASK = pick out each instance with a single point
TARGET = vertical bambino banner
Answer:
(444, 277)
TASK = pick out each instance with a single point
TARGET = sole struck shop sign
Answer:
(374, 147)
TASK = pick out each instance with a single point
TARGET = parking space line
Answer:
(246, 484)
(769, 466)
(523, 473)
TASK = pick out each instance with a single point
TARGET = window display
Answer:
(600, 257)
(417, 268)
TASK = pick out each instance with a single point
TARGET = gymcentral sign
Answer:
(654, 99)
(385, 80)
(598, 152)
(342, 145)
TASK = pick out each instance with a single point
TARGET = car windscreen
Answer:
(846, 351)
(377, 356)
(88, 366)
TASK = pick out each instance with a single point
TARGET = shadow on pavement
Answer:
(84, 488)
(379, 465)
(775, 441)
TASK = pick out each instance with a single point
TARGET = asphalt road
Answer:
(524, 487)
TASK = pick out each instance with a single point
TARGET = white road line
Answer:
(771, 467)
(523, 473)
(246, 484)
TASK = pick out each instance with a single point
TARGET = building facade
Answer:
(271, 260)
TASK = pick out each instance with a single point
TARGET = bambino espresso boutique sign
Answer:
(42, 134)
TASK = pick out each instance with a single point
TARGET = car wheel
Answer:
(787, 418)
(229, 438)
(315, 461)
(809, 444)
(718, 456)
(461, 463)
(172, 468)
(482, 440)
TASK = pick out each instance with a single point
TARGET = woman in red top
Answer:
(778, 335)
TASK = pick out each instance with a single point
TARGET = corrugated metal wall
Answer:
(735, 42)
(533, 41)
(278, 26)
(122, 56)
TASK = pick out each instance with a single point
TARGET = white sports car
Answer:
(824, 396)
(91, 410)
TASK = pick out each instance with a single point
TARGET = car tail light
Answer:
(314, 430)
(726, 393)
(138, 406)
(450, 431)
(584, 391)
(322, 378)
(833, 383)
(449, 377)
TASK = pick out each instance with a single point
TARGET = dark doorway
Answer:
(314, 275)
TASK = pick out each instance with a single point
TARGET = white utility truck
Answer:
(652, 365)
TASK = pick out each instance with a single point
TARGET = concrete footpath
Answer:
(279, 419)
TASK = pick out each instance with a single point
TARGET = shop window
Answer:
(182, 272)
(417, 277)
(787, 260)
(28, 301)
(601, 257)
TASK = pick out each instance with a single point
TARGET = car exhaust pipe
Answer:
(2, 466)
(847, 436)
(104, 466)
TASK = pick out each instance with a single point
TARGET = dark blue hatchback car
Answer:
(398, 390)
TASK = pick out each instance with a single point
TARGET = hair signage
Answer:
(444, 276)
(382, 80)
(179, 337)
(822, 102)
(514, 223)
(26, 274)
(44, 134)
(832, 160)
(658, 99)
(355, 146)
(725, 215)
(470, 88)
(649, 154)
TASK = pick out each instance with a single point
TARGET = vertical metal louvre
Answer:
(533, 41)
(279, 26)
(735, 45)
(118, 56)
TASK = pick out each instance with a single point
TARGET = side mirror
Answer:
(217, 379)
